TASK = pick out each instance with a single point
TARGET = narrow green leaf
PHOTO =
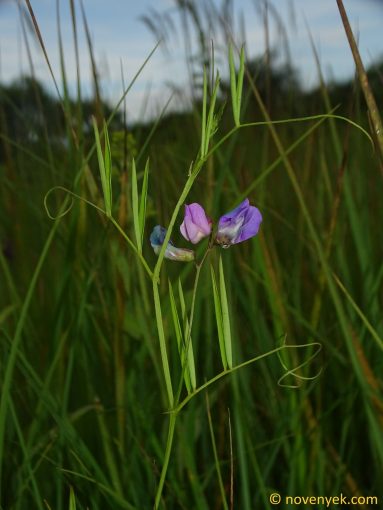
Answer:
(358, 310)
(108, 171)
(233, 87)
(162, 341)
(110, 460)
(101, 165)
(72, 499)
(188, 344)
(136, 218)
(218, 317)
(143, 200)
(215, 453)
(241, 73)
(178, 331)
(210, 128)
(204, 107)
(225, 316)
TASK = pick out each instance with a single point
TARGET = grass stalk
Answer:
(368, 95)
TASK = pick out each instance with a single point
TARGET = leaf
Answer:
(136, 218)
(188, 344)
(143, 201)
(218, 317)
(241, 73)
(72, 499)
(108, 168)
(178, 331)
(233, 86)
(204, 103)
(225, 316)
(105, 173)
(210, 128)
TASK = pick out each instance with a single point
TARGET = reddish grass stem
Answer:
(368, 95)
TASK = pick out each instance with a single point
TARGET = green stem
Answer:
(208, 383)
(161, 338)
(368, 95)
(169, 443)
(215, 453)
(172, 423)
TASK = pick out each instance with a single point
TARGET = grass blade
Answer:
(210, 124)
(204, 143)
(225, 316)
(72, 499)
(178, 331)
(241, 73)
(103, 172)
(218, 316)
(215, 453)
(136, 218)
(233, 87)
(188, 345)
(108, 168)
(143, 201)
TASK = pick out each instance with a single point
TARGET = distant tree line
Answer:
(28, 112)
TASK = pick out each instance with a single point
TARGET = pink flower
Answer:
(196, 224)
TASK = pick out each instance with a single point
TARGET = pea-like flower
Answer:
(196, 224)
(238, 225)
(157, 238)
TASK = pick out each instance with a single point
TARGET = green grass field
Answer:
(117, 389)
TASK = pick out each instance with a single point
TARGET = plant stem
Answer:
(368, 95)
(161, 338)
(172, 422)
(169, 443)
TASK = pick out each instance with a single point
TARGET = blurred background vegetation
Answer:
(86, 406)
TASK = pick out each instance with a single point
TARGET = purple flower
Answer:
(157, 238)
(238, 225)
(196, 224)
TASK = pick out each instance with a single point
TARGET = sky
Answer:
(121, 39)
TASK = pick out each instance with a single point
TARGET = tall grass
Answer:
(129, 380)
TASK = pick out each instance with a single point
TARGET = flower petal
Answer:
(179, 254)
(196, 224)
(157, 238)
(251, 224)
(235, 213)
(190, 231)
(198, 215)
(238, 225)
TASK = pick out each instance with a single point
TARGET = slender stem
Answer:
(223, 374)
(161, 338)
(169, 443)
(368, 95)
(211, 381)
(215, 453)
(173, 415)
